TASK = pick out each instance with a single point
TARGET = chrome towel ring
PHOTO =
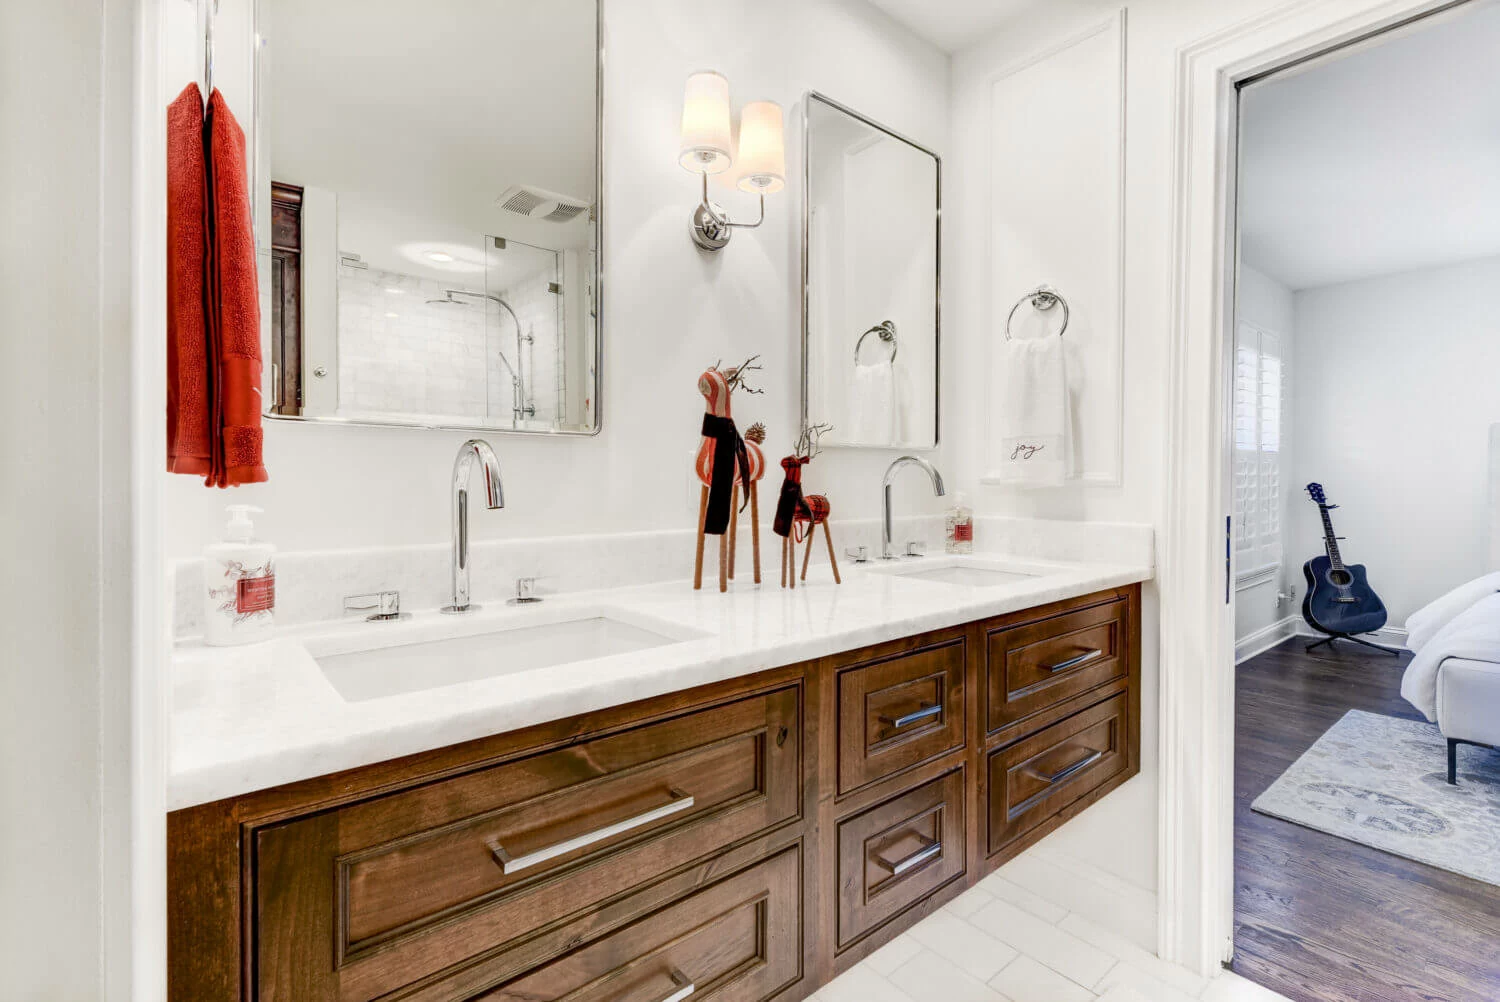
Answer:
(886, 331)
(1042, 298)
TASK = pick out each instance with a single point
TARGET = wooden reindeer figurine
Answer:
(724, 464)
(798, 516)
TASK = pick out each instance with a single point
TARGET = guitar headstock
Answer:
(1316, 492)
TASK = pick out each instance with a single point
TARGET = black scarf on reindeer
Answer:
(730, 455)
(791, 495)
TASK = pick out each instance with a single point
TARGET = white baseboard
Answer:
(1266, 637)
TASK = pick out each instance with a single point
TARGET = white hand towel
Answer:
(872, 405)
(1033, 420)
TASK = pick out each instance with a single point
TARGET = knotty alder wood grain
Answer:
(802, 850)
(1322, 919)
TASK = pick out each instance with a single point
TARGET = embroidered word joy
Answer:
(1024, 451)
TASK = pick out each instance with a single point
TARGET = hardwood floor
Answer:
(1321, 918)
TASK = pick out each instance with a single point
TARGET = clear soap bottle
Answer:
(959, 527)
(239, 584)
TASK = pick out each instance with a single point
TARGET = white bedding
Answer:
(1472, 634)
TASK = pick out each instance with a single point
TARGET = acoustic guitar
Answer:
(1339, 599)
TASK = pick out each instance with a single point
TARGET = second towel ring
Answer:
(1042, 298)
(886, 331)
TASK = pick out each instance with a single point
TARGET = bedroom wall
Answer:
(1392, 414)
(1269, 304)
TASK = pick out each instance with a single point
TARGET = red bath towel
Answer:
(234, 319)
(189, 383)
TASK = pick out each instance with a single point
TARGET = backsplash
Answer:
(311, 585)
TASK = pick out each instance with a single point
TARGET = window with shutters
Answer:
(1258, 385)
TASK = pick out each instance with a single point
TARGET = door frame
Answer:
(1195, 917)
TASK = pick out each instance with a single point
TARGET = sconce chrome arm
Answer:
(712, 228)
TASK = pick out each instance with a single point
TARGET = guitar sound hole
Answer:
(1340, 579)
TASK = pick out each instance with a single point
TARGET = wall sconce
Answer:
(706, 150)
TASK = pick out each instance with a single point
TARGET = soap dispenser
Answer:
(239, 579)
(959, 527)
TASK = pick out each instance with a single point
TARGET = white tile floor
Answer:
(1005, 942)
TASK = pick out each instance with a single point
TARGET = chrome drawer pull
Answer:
(1076, 767)
(929, 850)
(1081, 659)
(935, 710)
(684, 987)
(680, 802)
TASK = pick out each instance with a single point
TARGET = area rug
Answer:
(1383, 782)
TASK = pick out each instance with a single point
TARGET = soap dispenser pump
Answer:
(239, 579)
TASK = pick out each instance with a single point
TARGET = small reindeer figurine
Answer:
(725, 463)
(797, 515)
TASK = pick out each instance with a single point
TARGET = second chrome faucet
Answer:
(885, 497)
(473, 451)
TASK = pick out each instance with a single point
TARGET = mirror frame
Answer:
(937, 332)
(599, 265)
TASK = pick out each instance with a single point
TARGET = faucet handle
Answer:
(382, 606)
(916, 548)
(526, 592)
(861, 554)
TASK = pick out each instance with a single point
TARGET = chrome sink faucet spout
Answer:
(474, 450)
(885, 501)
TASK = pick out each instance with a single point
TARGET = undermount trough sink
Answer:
(507, 648)
(966, 572)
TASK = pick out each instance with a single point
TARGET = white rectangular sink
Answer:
(507, 648)
(965, 572)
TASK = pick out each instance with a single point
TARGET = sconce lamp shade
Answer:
(705, 125)
(762, 156)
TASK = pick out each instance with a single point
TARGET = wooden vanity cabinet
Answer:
(742, 842)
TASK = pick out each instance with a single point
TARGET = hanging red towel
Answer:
(189, 383)
(234, 319)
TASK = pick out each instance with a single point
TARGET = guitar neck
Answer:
(1330, 540)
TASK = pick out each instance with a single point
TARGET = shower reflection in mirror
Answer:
(432, 224)
(870, 307)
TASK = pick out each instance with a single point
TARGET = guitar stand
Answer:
(1353, 639)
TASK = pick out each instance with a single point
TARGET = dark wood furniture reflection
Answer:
(286, 298)
(744, 841)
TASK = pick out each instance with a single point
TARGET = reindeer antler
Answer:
(736, 375)
(809, 441)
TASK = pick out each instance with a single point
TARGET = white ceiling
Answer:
(421, 115)
(1382, 160)
(953, 24)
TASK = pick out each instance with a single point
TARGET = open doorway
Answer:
(1366, 348)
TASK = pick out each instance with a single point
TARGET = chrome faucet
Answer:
(474, 450)
(885, 509)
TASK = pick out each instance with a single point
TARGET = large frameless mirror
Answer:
(429, 179)
(870, 307)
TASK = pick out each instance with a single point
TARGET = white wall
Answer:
(65, 184)
(670, 310)
(1392, 415)
(1268, 304)
(1119, 835)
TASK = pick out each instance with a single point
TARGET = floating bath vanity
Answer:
(748, 793)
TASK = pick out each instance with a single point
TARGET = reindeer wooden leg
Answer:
(783, 561)
(791, 560)
(702, 517)
(828, 535)
(724, 562)
(755, 527)
(812, 532)
(734, 526)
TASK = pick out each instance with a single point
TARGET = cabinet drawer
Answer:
(1035, 667)
(738, 940)
(1034, 779)
(363, 900)
(894, 854)
(899, 711)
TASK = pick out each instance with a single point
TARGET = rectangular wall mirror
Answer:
(870, 301)
(428, 203)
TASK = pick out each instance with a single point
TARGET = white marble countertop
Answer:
(249, 718)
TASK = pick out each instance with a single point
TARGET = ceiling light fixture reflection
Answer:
(442, 257)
